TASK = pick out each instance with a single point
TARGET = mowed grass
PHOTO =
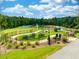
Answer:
(77, 35)
(18, 29)
(36, 53)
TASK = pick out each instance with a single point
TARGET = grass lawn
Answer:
(77, 34)
(19, 29)
(36, 53)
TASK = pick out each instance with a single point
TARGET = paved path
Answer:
(13, 37)
(2, 49)
(71, 51)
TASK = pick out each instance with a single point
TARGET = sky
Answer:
(40, 8)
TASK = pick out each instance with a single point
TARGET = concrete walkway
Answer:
(71, 51)
(13, 37)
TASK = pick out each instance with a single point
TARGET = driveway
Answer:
(71, 51)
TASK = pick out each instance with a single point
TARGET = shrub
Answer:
(58, 42)
(33, 46)
(76, 31)
(40, 35)
(23, 47)
(21, 43)
(64, 39)
(1, 43)
(19, 38)
(10, 41)
(25, 43)
(28, 43)
(25, 37)
(15, 42)
(16, 46)
(37, 43)
(9, 46)
(32, 35)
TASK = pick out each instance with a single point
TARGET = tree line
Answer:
(13, 21)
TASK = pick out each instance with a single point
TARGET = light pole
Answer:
(49, 39)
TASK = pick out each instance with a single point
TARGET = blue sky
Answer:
(40, 8)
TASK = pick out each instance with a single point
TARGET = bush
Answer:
(16, 46)
(9, 46)
(15, 42)
(25, 37)
(10, 41)
(23, 47)
(37, 43)
(28, 44)
(64, 39)
(19, 38)
(21, 43)
(25, 43)
(33, 46)
(33, 35)
(40, 35)
(1, 43)
(58, 42)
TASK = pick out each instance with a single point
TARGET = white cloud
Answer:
(9, 0)
(50, 9)
(51, 4)
(49, 16)
(40, 7)
(18, 9)
(53, 1)
(59, 1)
(45, 1)
(74, 1)
(66, 10)
(6, 0)
(56, 8)
(69, 9)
